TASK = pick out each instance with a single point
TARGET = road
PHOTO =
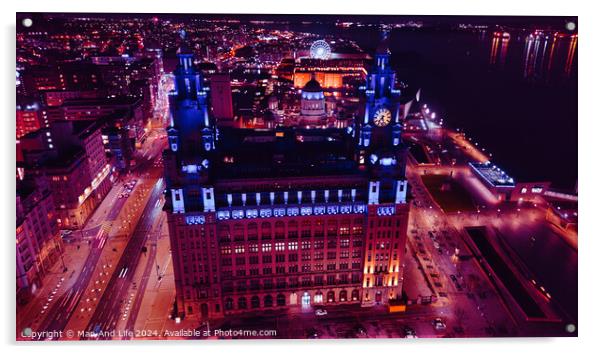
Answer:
(108, 311)
(65, 306)
(148, 272)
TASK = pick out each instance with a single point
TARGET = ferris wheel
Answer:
(320, 50)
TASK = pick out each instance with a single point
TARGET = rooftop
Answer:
(247, 153)
(492, 174)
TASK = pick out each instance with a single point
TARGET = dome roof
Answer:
(312, 86)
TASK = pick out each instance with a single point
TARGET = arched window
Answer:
(293, 229)
(332, 228)
(279, 229)
(343, 295)
(242, 303)
(318, 297)
(280, 300)
(252, 231)
(255, 302)
(229, 303)
(239, 232)
(268, 301)
(266, 230)
(330, 296)
(355, 295)
(223, 233)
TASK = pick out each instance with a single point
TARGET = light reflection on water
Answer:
(544, 55)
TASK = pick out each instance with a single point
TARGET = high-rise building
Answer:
(263, 219)
(221, 98)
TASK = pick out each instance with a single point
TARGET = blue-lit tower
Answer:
(192, 129)
(382, 155)
(188, 159)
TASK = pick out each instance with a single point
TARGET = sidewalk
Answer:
(143, 274)
(159, 296)
(30, 314)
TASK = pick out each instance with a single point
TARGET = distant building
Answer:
(121, 111)
(29, 116)
(62, 76)
(331, 73)
(55, 98)
(313, 104)
(119, 146)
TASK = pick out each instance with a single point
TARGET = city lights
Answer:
(197, 177)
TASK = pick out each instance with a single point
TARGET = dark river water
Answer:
(515, 96)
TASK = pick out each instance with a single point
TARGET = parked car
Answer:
(312, 333)
(409, 332)
(321, 312)
(439, 324)
(360, 331)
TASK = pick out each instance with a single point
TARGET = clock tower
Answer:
(379, 124)
(382, 155)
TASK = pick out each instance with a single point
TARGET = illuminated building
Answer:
(121, 111)
(71, 155)
(263, 219)
(38, 242)
(331, 73)
(58, 97)
(29, 117)
(313, 104)
(62, 76)
(504, 188)
(118, 142)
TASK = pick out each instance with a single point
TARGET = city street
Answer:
(91, 254)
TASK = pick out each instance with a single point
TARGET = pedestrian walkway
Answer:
(157, 302)
(32, 314)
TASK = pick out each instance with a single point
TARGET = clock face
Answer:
(382, 117)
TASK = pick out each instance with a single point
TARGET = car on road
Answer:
(312, 333)
(438, 324)
(321, 312)
(409, 332)
(360, 331)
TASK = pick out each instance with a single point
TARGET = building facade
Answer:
(71, 155)
(29, 117)
(286, 217)
(221, 98)
(313, 104)
(38, 242)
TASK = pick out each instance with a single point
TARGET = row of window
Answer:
(294, 257)
(291, 246)
(291, 283)
(292, 269)
(254, 302)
